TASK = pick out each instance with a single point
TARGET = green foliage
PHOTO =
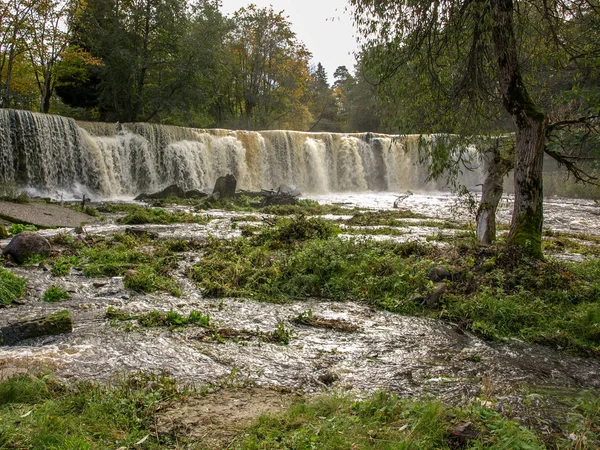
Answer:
(11, 287)
(302, 258)
(17, 228)
(62, 265)
(160, 216)
(41, 413)
(384, 422)
(55, 294)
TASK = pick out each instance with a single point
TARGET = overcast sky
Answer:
(323, 25)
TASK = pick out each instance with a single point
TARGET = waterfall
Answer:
(57, 154)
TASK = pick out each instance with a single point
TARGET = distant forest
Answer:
(183, 62)
(179, 62)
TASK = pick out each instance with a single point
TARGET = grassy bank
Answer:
(497, 293)
(39, 413)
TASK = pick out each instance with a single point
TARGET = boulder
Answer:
(54, 324)
(225, 186)
(195, 193)
(27, 244)
(169, 191)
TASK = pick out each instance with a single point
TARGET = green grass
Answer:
(303, 258)
(11, 287)
(39, 413)
(385, 422)
(55, 294)
(173, 320)
(160, 216)
(146, 265)
(497, 293)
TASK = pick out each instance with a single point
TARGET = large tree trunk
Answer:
(526, 226)
(496, 168)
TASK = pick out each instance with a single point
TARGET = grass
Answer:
(383, 421)
(40, 413)
(497, 293)
(145, 265)
(302, 258)
(173, 320)
(55, 294)
(313, 320)
(11, 287)
(142, 215)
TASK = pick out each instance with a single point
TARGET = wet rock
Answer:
(329, 377)
(225, 186)
(27, 244)
(140, 233)
(439, 273)
(52, 325)
(195, 193)
(439, 289)
(288, 190)
(463, 433)
(99, 284)
(170, 191)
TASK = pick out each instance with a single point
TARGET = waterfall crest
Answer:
(53, 153)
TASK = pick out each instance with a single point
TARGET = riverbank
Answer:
(127, 321)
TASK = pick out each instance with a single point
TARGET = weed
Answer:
(384, 421)
(41, 413)
(160, 216)
(62, 265)
(55, 294)
(17, 228)
(11, 287)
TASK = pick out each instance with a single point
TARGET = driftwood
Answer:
(54, 324)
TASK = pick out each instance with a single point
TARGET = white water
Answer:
(58, 156)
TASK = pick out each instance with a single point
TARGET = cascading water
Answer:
(53, 153)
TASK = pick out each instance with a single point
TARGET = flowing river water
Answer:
(405, 355)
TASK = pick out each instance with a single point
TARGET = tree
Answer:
(47, 38)
(475, 48)
(161, 59)
(269, 71)
(14, 20)
(322, 102)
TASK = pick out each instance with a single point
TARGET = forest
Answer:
(176, 62)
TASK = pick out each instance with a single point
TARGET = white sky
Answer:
(324, 26)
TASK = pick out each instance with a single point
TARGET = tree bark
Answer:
(527, 219)
(496, 169)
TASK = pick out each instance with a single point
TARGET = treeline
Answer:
(178, 62)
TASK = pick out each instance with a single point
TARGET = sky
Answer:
(324, 26)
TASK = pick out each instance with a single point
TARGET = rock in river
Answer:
(26, 244)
